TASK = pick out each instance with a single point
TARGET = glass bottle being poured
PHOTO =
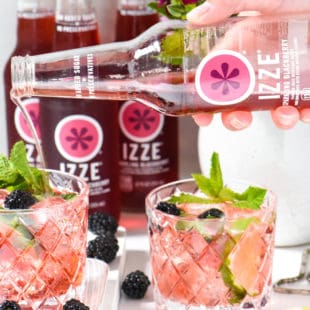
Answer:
(253, 63)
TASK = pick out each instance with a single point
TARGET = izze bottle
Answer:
(253, 63)
(148, 139)
(35, 30)
(80, 136)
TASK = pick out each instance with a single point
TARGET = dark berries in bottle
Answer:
(9, 305)
(99, 223)
(135, 284)
(74, 304)
(212, 213)
(19, 199)
(103, 247)
(168, 207)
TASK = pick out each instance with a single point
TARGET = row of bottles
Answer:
(123, 150)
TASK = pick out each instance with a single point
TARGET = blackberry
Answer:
(19, 199)
(9, 305)
(74, 304)
(103, 247)
(135, 284)
(212, 213)
(168, 207)
(99, 223)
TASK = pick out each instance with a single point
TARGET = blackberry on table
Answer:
(19, 199)
(9, 305)
(212, 213)
(74, 304)
(103, 247)
(99, 223)
(135, 284)
(168, 207)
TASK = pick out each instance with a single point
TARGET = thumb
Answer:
(213, 11)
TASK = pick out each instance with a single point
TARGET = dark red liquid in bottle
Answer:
(148, 140)
(79, 135)
(34, 36)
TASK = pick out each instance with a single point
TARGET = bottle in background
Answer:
(80, 136)
(148, 139)
(35, 30)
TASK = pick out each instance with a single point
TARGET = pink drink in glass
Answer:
(43, 248)
(219, 263)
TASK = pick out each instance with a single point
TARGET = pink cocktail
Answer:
(210, 256)
(43, 248)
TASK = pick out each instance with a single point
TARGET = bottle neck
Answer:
(133, 18)
(134, 7)
(32, 7)
(76, 24)
(109, 71)
(36, 20)
(75, 12)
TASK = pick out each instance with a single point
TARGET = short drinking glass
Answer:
(43, 248)
(222, 262)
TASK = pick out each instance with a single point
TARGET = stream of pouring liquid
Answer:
(18, 102)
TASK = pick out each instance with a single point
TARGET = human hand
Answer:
(213, 11)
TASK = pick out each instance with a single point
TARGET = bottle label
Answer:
(140, 123)
(32, 106)
(143, 152)
(78, 138)
(225, 77)
(33, 109)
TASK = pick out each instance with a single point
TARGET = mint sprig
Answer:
(216, 191)
(174, 9)
(16, 173)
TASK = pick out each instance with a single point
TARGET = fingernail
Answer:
(202, 119)
(305, 115)
(285, 117)
(238, 120)
(199, 12)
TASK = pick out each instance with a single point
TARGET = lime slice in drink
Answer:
(246, 264)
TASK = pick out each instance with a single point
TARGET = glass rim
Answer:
(84, 191)
(150, 206)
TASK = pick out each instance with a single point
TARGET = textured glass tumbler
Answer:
(43, 248)
(219, 263)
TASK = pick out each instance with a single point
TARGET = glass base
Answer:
(257, 303)
(90, 291)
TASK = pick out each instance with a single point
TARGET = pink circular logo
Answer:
(33, 109)
(225, 77)
(140, 123)
(78, 138)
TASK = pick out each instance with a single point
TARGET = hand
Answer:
(213, 11)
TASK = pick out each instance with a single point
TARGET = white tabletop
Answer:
(286, 264)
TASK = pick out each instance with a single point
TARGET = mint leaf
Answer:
(212, 186)
(174, 9)
(215, 191)
(16, 173)
(8, 174)
(36, 180)
(251, 198)
(216, 173)
(189, 198)
(172, 48)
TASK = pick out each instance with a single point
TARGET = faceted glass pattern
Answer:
(43, 249)
(189, 270)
